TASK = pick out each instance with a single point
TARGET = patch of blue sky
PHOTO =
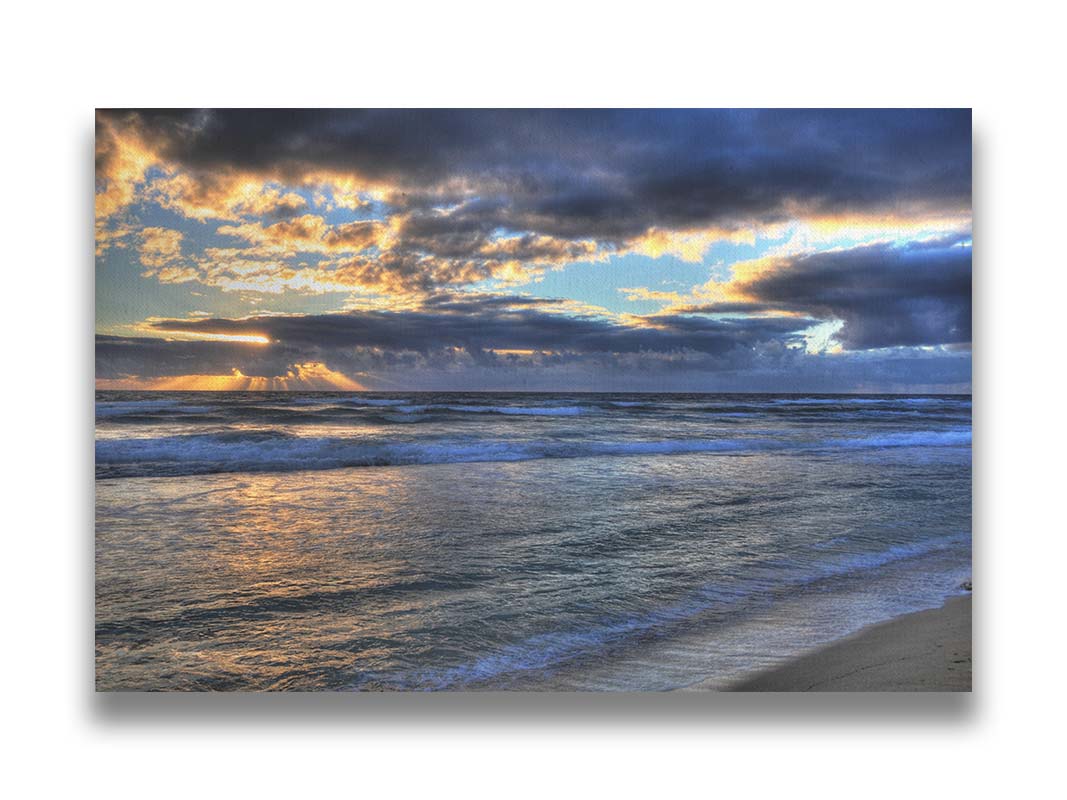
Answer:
(128, 303)
(122, 299)
(601, 282)
(124, 302)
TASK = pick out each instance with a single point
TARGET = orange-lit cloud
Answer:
(160, 247)
(310, 234)
(224, 195)
(126, 151)
(687, 245)
(197, 336)
(122, 160)
(807, 232)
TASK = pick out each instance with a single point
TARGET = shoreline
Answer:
(923, 651)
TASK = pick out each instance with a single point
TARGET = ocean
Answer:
(450, 541)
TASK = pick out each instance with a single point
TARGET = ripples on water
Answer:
(458, 541)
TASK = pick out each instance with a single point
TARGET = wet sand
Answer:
(927, 651)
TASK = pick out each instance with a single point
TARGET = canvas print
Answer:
(533, 400)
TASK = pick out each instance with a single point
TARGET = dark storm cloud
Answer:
(768, 367)
(456, 331)
(605, 175)
(479, 322)
(120, 356)
(886, 295)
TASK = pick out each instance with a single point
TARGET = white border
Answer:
(60, 63)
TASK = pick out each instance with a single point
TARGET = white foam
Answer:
(115, 408)
(268, 451)
(525, 411)
(949, 438)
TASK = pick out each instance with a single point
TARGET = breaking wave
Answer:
(551, 649)
(279, 452)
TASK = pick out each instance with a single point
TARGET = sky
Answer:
(537, 250)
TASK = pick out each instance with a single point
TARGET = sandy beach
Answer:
(924, 651)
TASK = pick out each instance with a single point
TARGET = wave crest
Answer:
(270, 451)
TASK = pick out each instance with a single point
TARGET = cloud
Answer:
(362, 256)
(649, 166)
(887, 295)
(160, 247)
(467, 196)
(471, 321)
(122, 162)
(409, 212)
(309, 234)
(462, 339)
(160, 253)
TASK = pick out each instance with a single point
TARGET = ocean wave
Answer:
(949, 438)
(353, 401)
(386, 409)
(860, 401)
(410, 407)
(144, 407)
(554, 648)
(270, 451)
(523, 411)
(377, 401)
(115, 408)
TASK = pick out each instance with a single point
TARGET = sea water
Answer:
(348, 541)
